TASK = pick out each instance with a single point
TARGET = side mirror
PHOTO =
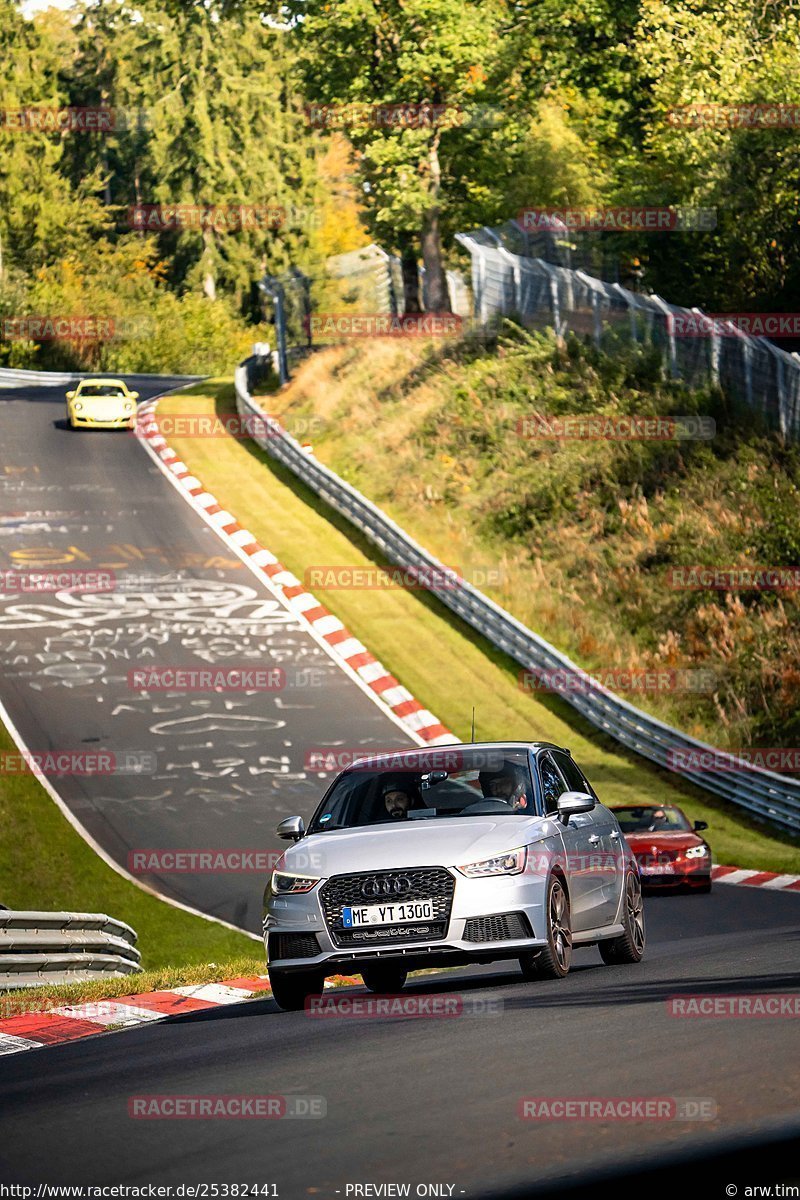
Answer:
(134, 395)
(70, 395)
(698, 825)
(292, 829)
(571, 803)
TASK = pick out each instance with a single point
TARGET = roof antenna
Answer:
(472, 736)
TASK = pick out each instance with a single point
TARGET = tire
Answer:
(388, 978)
(629, 946)
(553, 962)
(704, 888)
(290, 989)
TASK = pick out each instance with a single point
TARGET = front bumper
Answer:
(80, 421)
(673, 882)
(681, 872)
(488, 919)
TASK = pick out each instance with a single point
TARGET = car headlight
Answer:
(512, 863)
(128, 406)
(284, 884)
(78, 406)
(697, 852)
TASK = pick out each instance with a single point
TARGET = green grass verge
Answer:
(45, 864)
(49, 995)
(444, 662)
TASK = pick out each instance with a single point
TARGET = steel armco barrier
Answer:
(63, 947)
(13, 379)
(764, 794)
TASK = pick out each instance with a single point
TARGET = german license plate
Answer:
(354, 917)
(657, 869)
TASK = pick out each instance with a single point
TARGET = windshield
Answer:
(468, 783)
(647, 819)
(100, 389)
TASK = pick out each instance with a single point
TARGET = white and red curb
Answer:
(32, 1028)
(345, 649)
(750, 878)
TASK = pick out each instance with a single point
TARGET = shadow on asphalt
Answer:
(542, 995)
(739, 1162)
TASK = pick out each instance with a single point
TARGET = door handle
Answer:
(594, 839)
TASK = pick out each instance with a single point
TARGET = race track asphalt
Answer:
(415, 1102)
(227, 766)
(435, 1100)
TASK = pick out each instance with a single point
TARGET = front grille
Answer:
(506, 927)
(389, 935)
(292, 945)
(661, 858)
(416, 883)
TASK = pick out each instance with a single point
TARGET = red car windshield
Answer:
(648, 819)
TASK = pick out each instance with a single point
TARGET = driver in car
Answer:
(399, 796)
(508, 784)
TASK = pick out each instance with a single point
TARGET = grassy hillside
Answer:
(442, 661)
(579, 538)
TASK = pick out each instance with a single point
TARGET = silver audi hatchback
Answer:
(445, 856)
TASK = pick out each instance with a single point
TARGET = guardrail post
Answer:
(272, 288)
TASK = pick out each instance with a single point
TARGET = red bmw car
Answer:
(667, 846)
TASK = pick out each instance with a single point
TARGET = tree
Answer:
(726, 54)
(40, 217)
(223, 129)
(435, 57)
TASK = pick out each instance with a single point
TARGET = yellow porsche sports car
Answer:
(101, 404)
